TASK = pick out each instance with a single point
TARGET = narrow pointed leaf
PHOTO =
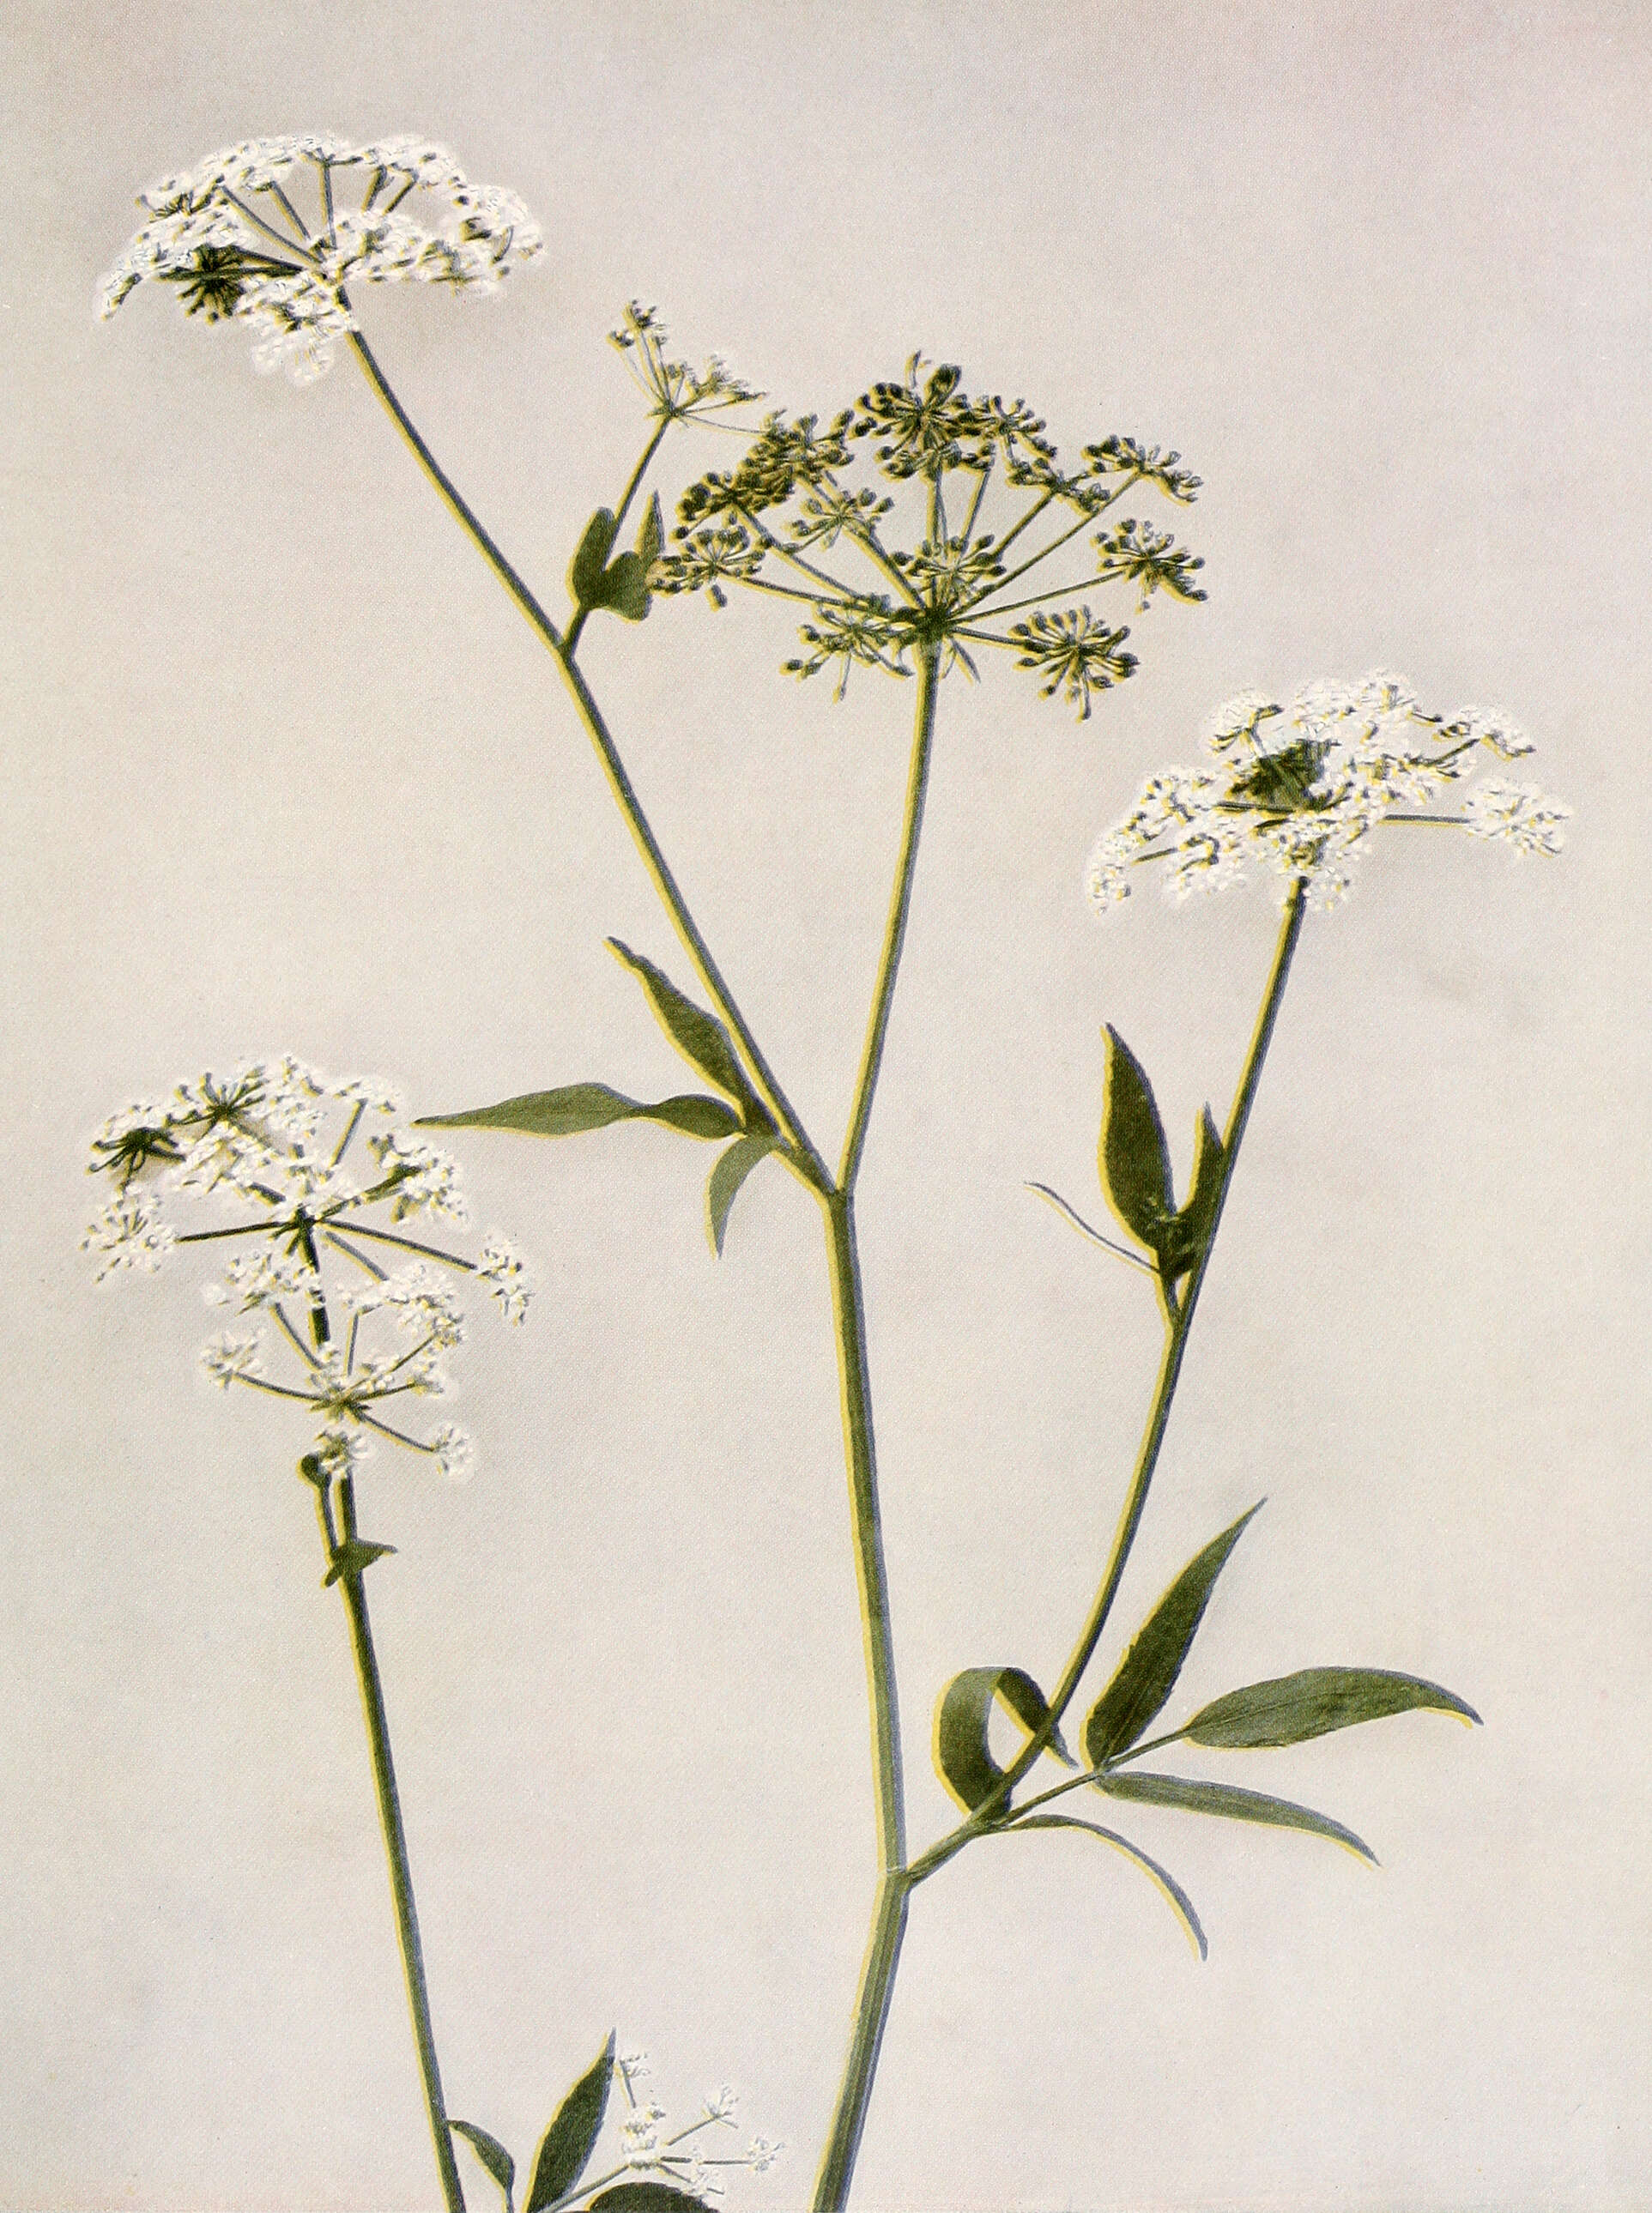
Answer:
(493, 2154)
(585, 570)
(1293, 1708)
(645, 2197)
(962, 1760)
(352, 1557)
(571, 2138)
(1148, 1672)
(699, 1037)
(1172, 1890)
(651, 538)
(734, 1165)
(1135, 1159)
(574, 1108)
(1190, 1232)
(1232, 1803)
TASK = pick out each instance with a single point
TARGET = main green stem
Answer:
(353, 1589)
(882, 1958)
(835, 1196)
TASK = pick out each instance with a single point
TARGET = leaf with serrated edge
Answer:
(493, 2154)
(1290, 1709)
(585, 570)
(699, 1037)
(574, 1108)
(1148, 1672)
(645, 2197)
(571, 2138)
(1178, 1898)
(962, 1760)
(733, 1166)
(1134, 1159)
(1234, 1804)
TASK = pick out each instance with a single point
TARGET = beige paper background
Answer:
(287, 772)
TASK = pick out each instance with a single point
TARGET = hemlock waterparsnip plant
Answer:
(920, 530)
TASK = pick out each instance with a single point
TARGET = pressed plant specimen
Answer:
(918, 530)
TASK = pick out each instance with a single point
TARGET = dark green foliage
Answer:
(733, 1166)
(621, 585)
(571, 2138)
(492, 2153)
(1148, 1674)
(1186, 1237)
(1232, 1803)
(1134, 1157)
(961, 1756)
(352, 1557)
(1292, 1707)
(699, 1037)
(575, 1107)
(646, 2197)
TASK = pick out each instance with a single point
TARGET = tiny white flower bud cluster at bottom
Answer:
(671, 2157)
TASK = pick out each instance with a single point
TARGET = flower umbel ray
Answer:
(1302, 786)
(271, 232)
(340, 1310)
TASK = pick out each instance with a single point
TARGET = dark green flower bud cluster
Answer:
(788, 519)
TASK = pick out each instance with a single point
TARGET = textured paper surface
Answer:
(287, 772)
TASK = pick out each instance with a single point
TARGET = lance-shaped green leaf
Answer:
(1148, 1672)
(493, 2154)
(645, 2198)
(651, 538)
(1232, 1803)
(962, 1760)
(591, 559)
(571, 2138)
(1178, 1898)
(1135, 1159)
(733, 1164)
(575, 1107)
(1190, 1232)
(1292, 1707)
(699, 1037)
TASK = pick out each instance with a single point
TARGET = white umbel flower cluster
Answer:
(349, 1317)
(679, 2160)
(1301, 786)
(272, 233)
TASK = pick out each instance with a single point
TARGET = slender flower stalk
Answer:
(353, 1339)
